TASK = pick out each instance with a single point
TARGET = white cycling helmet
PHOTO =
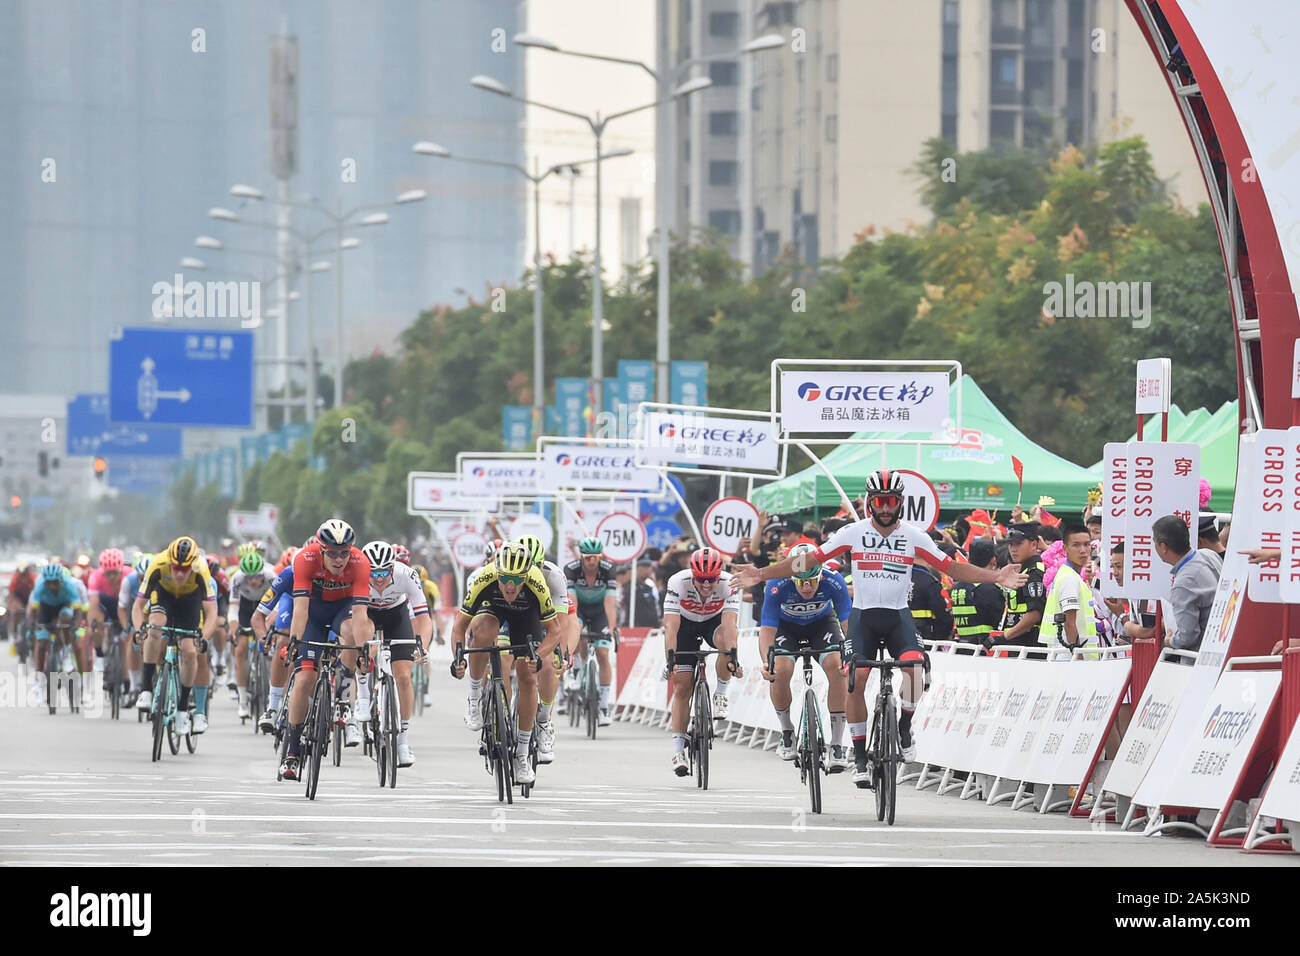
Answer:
(336, 533)
(381, 555)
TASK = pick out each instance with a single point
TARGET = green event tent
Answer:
(1217, 433)
(975, 472)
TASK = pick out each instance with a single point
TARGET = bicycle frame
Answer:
(498, 739)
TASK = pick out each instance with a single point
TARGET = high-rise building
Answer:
(124, 123)
(827, 129)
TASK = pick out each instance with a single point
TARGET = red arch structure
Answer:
(1223, 63)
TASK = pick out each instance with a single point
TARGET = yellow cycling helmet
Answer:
(424, 572)
(184, 551)
(513, 559)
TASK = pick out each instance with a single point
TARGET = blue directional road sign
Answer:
(199, 378)
(140, 476)
(666, 506)
(89, 433)
(661, 533)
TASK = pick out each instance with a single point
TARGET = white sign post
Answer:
(623, 536)
(826, 401)
(1164, 479)
(728, 523)
(1153, 379)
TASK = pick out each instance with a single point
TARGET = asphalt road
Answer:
(81, 791)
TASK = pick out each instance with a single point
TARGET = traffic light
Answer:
(100, 466)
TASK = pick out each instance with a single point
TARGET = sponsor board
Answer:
(498, 477)
(593, 468)
(819, 401)
(736, 444)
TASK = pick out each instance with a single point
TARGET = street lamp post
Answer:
(597, 124)
(665, 167)
(425, 148)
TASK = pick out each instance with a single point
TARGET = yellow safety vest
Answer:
(1085, 620)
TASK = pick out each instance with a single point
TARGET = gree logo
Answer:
(563, 459)
(480, 471)
(810, 391)
(668, 428)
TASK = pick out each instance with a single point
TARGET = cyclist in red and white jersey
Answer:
(883, 551)
(700, 602)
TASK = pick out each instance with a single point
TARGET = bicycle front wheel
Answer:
(52, 670)
(893, 756)
(391, 727)
(173, 709)
(505, 743)
(812, 751)
(591, 690)
(159, 713)
(320, 717)
(700, 732)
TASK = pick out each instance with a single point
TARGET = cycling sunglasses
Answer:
(710, 580)
(381, 574)
(511, 578)
(886, 501)
(336, 552)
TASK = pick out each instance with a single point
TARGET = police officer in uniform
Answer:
(977, 609)
(1025, 604)
(928, 603)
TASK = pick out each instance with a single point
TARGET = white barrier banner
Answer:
(1282, 798)
(749, 700)
(969, 685)
(1152, 718)
(1271, 492)
(645, 686)
(1164, 479)
(1002, 734)
(498, 477)
(1044, 694)
(595, 468)
(1090, 690)
(1289, 589)
(934, 709)
(1217, 751)
(818, 401)
(738, 444)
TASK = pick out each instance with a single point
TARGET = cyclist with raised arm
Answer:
(548, 678)
(701, 602)
(883, 551)
(809, 609)
(397, 608)
(331, 585)
(177, 591)
(594, 592)
(510, 592)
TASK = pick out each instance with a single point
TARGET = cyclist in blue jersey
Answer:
(134, 657)
(56, 599)
(275, 612)
(808, 610)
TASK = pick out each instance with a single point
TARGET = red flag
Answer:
(1018, 467)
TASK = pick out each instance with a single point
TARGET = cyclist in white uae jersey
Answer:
(883, 551)
(699, 602)
(395, 605)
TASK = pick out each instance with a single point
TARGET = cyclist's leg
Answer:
(320, 615)
(41, 629)
(724, 637)
(281, 618)
(689, 636)
(524, 628)
(904, 645)
(783, 669)
(396, 623)
(153, 644)
(864, 642)
(483, 631)
(837, 690)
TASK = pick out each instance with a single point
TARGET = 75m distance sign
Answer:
(623, 536)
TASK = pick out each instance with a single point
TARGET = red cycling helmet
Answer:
(706, 564)
(110, 559)
(401, 553)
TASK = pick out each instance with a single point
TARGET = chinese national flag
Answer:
(1018, 467)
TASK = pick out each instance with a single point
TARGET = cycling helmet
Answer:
(513, 559)
(815, 572)
(289, 554)
(535, 547)
(706, 564)
(309, 542)
(402, 553)
(381, 555)
(422, 571)
(251, 563)
(83, 560)
(884, 482)
(52, 572)
(244, 550)
(184, 551)
(336, 533)
(110, 559)
(142, 563)
(490, 552)
(213, 564)
(590, 545)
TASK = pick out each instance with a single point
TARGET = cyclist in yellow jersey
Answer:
(434, 596)
(177, 590)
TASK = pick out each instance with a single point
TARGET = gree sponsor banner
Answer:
(1164, 479)
(437, 491)
(1272, 493)
(1153, 377)
(1282, 799)
(498, 477)
(733, 443)
(1221, 739)
(593, 468)
(1152, 718)
(817, 401)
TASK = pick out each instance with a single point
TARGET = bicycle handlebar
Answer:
(884, 664)
(732, 665)
(518, 650)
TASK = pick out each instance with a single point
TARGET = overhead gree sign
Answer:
(436, 491)
(813, 400)
(498, 477)
(594, 467)
(735, 444)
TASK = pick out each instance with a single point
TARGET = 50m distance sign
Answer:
(728, 523)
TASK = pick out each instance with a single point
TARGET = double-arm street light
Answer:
(425, 148)
(375, 216)
(597, 124)
(665, 162)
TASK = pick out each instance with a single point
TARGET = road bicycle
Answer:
(885, 749)
(699, 734)
(586, 699)
(259, 676)
(117, 683)
(810, 756)
(497, 738)
(315, 738)
(383, 720)
(167, 691)
(61, 668)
